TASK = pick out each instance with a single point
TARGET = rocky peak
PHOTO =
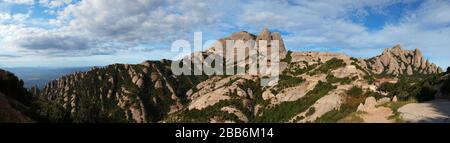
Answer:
(265, 34)
(397, 61)
(269, 36)
(243, 35)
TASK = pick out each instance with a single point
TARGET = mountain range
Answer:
(313, 87)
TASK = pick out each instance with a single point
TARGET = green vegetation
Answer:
(335, 115)
(50, 112)
(287, 82)
(255, 86)
(376, 95)
(418, 87)
(12, 87)
(347, 80)
(295, 70)
(446, 87)
(368, 74)
(329, 66)
(355, 91)
(311, 111)
(288, 110)
(288, 58)
(394, 106)
(347, 112)
(204, 115)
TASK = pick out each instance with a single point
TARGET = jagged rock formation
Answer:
(121, 92)
(245, 37)
(398, 61)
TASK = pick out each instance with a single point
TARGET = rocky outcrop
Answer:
(398, 61)
(14, 99)
(245, 37)
(314, 84)
(121, 92)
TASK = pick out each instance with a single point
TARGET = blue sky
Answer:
(67, 33)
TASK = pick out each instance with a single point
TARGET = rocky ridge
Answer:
(399, 61)
(312, 87)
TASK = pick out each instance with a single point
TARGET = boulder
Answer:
(394, 99)
(267, 95)
(360, 107)
(370, 102)
(383, 101)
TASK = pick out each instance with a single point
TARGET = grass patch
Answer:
(394, 106)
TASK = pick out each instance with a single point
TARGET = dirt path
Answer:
(377, 115)
(432, 112)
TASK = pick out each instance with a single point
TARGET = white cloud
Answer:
(24, 2)
(54, 3)
(98, 27)
(7, 18)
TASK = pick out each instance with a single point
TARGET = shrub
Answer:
(332, 79)
(288, 58)
(12, 86)
(329, 66)
(287, 82)
(426, 93)
(446, 87)
(300, 71)
(355, 91)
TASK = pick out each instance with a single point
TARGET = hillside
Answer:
(313, 87)
(14, 99)
(120, 92)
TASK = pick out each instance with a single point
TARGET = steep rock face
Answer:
(12, 86)
(398, 61)
(120, 92)
(12, 96)
(263, 35)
